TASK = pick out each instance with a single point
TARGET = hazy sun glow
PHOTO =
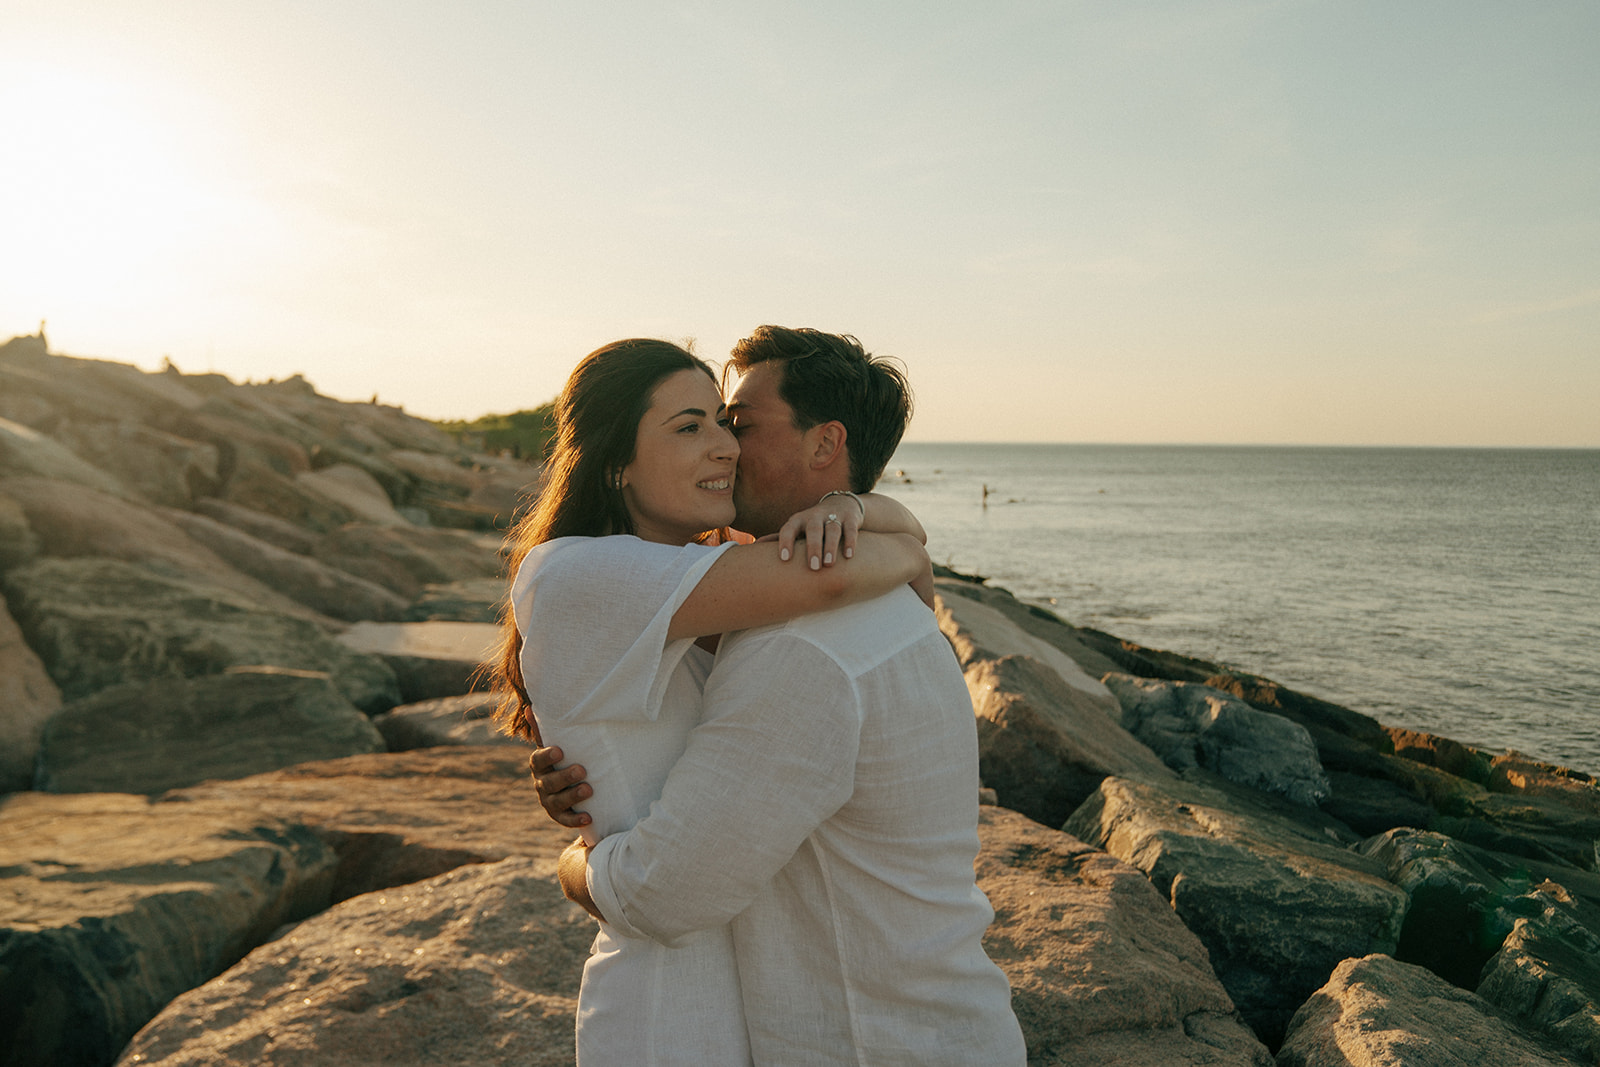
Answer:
(1313, 223)
(107, 189)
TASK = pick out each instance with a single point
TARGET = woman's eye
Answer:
(692, 427)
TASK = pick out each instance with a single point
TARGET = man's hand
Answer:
(559, 790)
(572, 869)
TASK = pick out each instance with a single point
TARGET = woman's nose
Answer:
(726, 446)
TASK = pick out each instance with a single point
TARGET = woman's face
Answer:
(680, 483)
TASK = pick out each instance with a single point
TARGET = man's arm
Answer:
(774, 758)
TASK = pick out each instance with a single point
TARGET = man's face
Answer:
(774, 475)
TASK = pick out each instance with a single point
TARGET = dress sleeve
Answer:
(593, 613)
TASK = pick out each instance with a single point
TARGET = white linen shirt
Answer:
(610, 689)
(827, 806)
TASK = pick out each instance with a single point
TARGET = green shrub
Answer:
(525, 434)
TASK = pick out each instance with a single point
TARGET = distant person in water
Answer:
(825, 808)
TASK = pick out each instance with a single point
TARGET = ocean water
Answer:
(1455, 591)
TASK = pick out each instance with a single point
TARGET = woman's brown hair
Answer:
(597, 425)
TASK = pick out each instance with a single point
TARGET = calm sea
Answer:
(1455, 591)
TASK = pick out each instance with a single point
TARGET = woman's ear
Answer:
(826, 445)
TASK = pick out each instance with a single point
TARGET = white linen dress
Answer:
(609, 688)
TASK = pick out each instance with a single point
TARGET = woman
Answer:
(600, 653)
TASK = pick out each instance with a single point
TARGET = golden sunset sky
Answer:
(1292, 222)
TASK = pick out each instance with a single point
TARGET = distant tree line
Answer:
(525, 434)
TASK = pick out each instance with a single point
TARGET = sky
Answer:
(1205, 222)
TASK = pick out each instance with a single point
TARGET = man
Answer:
(826, 805)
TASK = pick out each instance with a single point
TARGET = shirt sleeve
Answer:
(772, 760)
(593, 613)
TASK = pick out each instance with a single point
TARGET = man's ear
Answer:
(826, 441)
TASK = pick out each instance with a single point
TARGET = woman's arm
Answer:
(749, 585)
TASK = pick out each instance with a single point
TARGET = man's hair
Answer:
(828, 377)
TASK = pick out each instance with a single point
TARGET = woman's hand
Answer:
(828, 527)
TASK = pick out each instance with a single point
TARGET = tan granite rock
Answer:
(115, 904)
(27, 700)
(1044, 747)
(148, 737)
(1101, 969)
(1271, 889)
(476, 966)
(307, 581)
(1377, 1012)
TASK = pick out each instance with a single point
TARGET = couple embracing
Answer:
(774, 750)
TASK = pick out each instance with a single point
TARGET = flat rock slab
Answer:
(1101, 969)
(113, 905)
(299, 577)
(1277, 898)
(99, 622)
(480, 966)
(1036, 621)
(149, 737)
(458, 720)
(979, 630)
(402, 816)
(1375, 1012)
(407, 559)
(430, 659)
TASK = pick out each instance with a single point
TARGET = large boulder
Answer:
(480, 966)
(18, 545)
(479, 492)
(1546, 975)
(115, 905)
(430, 659)
(1101, 969)
(457, 720)
(1190, 725)
(259, 525)
(75, 522)
(407, 559)
(1033, 620)
(1047, 731)
(398, 817)
(1538, 827)
(469, 600)
(25, 452)
(1465, 899)
(1044, 747)
(980, 631)
(97, 623)
(252, 484)
(27, 700)
(154, 465)
(1271, 889)
(1376, 1010)
(148, 737)
(351, 487)
(307, 581)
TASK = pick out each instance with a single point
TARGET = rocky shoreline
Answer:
(250, 811)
